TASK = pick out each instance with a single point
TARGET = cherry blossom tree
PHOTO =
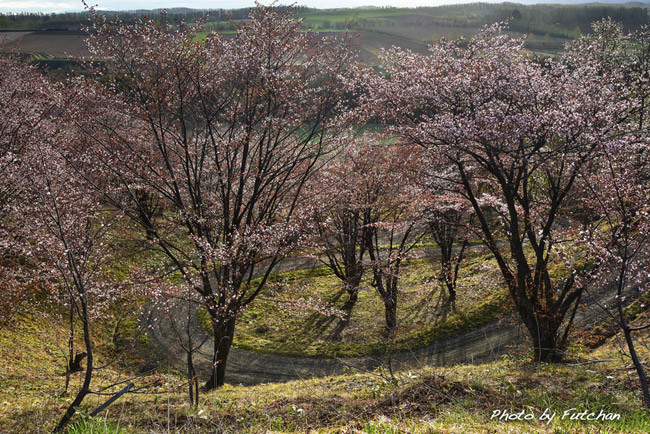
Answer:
(66, 229)
(448, 219)
(616, 187)
(393, 215)
(23, 106)
(618, 238)
(338, 205)
(222, 133)
(517, 133)
(54, 234)
(624, 58)
(181, 306)
(367, 211)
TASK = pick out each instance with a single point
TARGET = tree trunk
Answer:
(75, 363)
(638, 366)
(70, 347)
(85, 388)
(627, 332)
(390, 305)
(454, 278)
(391, 318)
(191, 380)
(223, 335)
(352, 287)
(544, 334)
(452, 291)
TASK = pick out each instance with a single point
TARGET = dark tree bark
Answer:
(386, 266)
(512, 140)
(444, 227)
(344, 248)
(222, 136)
(390, 308)
(627, 330)
(541, 301)
(75, 364)
(85, 387)
(223, 335)
(192, 383)
(640, 370)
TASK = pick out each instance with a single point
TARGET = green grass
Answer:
(635, 311)
(94, 425)
(318, 19)
(276, 323)
(425, 400)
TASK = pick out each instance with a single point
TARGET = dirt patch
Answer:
(314, 412)
(432, 392)
(422, 398)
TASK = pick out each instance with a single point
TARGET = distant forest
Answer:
(74, 20)
(554, 20)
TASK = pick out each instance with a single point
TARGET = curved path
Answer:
(482, 344)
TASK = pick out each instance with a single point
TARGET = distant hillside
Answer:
(561, 13)
(548, 26)
(579, 2)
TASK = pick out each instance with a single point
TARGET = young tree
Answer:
(618, 194)
(445, 226)
(53, 232)
(518, 133)
(223, 132)
(447, 218)
(367, 210)
(393, 208)
(181, 307)
(68, 230)
(337, 200)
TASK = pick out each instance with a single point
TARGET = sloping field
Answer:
(9, 37)
(413, 32)
(372, 41)
(427, 33)
(52, 43)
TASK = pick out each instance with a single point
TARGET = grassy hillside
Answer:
(428, 400)
(274, 323)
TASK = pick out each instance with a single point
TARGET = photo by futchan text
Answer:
(548, 415)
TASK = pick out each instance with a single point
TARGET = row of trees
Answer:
(370, 207)
(542, 19)
(564, 21)
(171, 16)
(217, 158)
(551, 155)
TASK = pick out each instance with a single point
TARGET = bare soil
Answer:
(51, 43)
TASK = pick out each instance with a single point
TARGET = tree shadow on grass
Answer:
(343, 322)
(442, 307)
(316, 324)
